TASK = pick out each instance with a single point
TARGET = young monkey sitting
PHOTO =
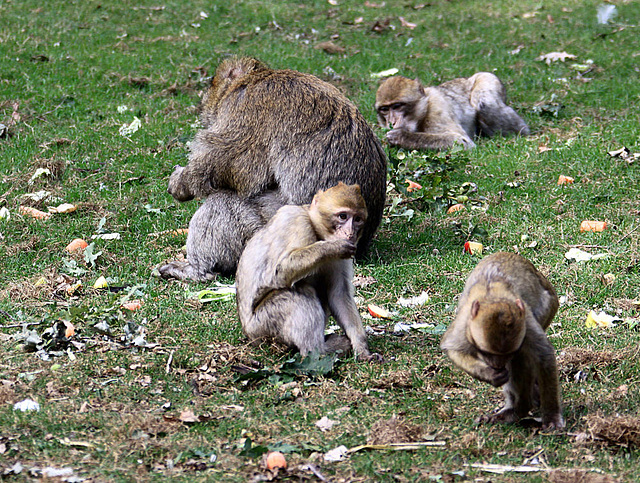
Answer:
(297, 270)
(498, 336)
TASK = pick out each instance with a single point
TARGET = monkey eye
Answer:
(342, 216)
(397, 106)
(383, 109)
(357, 219)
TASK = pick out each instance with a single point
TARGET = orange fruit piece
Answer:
(275, 459)
(77, 245)
(592, 225)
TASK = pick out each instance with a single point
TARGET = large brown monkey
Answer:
(498, 336)
(278, 134)
(297, 270)
(452, 113)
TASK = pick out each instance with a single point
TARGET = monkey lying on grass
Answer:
(498, 336)
(297, 270)
(269, 138)
(452, 113)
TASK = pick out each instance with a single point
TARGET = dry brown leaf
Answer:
(330, 48)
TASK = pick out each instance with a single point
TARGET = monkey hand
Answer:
(343, 248)
(395, 136)
(497, 377)
(177, 188)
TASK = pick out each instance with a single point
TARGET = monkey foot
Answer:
(503, 416)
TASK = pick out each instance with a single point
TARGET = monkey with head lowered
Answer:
(452, 113)
(297, 270)
(498, 336)
(270, 138)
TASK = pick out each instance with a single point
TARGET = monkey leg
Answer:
(518, 391)
(218, 232)
(294, 317)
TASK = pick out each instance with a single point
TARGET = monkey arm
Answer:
(477, 368)
(428, 140)
(547, 373)
(302, 262)
(343, 306)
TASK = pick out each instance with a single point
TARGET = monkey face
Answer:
(347, 225)
(396, 101)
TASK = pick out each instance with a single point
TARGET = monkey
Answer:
(498, 336)
(442, 116)
(297, 270)
(279, 133)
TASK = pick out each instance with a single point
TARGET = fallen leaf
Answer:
(407, 24)
(330, 48)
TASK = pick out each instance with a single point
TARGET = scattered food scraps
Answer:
(554, 57)
(456, 207)
(26, 405)
(592, 225)
(336, 454)
(32, 212)
(63, 208)
(601, 320)
(562, 180)
(385, 73)
(133, 305)
(101, 282)
(325, 424)
(379, 312)
(76, 245)
(474, 248)
(582, 256)
(275, 459)
(421, 299)
(412, 185)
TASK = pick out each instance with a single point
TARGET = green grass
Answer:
(112, 411)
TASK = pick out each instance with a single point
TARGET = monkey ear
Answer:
(520, 305)
(475, 306)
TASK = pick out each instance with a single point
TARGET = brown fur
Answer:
(270, 138)
(297, 270)
(498, 336)
(452, 113)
